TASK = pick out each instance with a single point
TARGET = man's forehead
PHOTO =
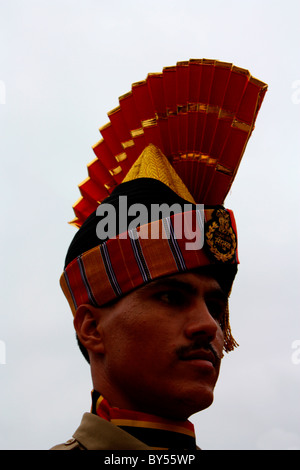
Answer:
(192, 282)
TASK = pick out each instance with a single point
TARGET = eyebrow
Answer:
(173, 283)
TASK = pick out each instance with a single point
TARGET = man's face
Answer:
(163, 345)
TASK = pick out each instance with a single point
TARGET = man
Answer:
(149, 294)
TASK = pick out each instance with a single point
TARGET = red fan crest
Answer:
(200, 113)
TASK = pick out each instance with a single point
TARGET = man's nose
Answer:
(201, 323)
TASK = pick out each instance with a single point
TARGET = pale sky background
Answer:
(63, 64)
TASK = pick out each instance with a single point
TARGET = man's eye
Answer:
(171, 297)
(216, 309)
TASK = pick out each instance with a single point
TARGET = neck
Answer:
(155, 431)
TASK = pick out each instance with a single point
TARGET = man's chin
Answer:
(188, 405)
(199, 404)
(198, 396)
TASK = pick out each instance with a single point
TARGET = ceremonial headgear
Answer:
(177, 138)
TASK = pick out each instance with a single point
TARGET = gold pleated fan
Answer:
(199, 113)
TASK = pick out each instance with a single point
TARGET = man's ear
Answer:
(87, 326)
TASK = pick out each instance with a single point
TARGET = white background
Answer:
(63, 64)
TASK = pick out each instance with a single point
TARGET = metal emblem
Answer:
(220, 237)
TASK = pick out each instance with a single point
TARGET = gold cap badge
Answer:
(220, 237)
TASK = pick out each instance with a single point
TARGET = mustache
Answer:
(197, 345)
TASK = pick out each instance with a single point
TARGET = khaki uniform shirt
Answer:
(95, 433)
